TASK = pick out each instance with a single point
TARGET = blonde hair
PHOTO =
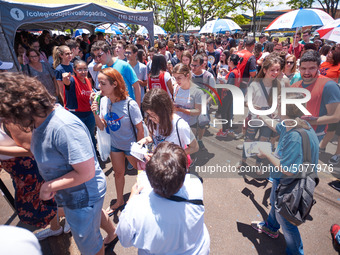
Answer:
(57, 51)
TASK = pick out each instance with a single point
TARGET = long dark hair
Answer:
(158, 101)
(158, 65)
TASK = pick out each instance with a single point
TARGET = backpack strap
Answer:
(307, 156)
(133, 126)
(265, 92)
(179, 139)
(181, 199)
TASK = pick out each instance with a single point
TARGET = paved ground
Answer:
(231, 202)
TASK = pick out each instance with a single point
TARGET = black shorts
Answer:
(334, 127)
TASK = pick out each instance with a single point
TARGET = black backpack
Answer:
(294, 196)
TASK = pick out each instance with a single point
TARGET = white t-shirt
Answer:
(184, 132)
(156, 225)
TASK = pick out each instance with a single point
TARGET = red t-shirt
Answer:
(297, 50)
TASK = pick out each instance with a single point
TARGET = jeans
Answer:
(88, 119)
(290, 232)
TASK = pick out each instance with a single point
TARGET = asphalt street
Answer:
(232, 201)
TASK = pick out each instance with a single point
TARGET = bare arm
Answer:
(138, 95)
(140, 131)
(21, 138)
(192, 148)
(333, 115)
(170, 87)
(191, 112)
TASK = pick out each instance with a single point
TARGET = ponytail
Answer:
(57, 51)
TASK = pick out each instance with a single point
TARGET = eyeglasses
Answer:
(192, 65)
(128, 53)
(82, 70)
(99, 55)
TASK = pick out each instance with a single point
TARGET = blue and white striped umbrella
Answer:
(108, 29)
(157, 30)
(81, 31)
(219, 26)
(300, 18)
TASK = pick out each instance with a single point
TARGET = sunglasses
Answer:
(99, 55)
(290, 62)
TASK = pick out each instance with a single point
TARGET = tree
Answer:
(210, 9)
(254, 6)
(329, 6)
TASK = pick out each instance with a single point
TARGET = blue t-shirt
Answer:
(118, 121)
(290, 152)
(60, 69)
(61, 141)
(330, 94)
(128, 74)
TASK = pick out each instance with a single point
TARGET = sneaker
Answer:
(67, 227)
(48, 232)
(231, 133)
(335, 159)
(220, 133)
(239, 136)
(261, 227)
(335, 228)
(239, 147)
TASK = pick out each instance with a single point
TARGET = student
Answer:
(262, 96)
(289, 153)
(159, 77)
(62, 147)
(145, 223)
(122, 117)
(62, 57)
(164, 124)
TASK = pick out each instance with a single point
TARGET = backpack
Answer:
(294, 196)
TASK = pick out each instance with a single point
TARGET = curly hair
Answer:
(23, 98)
(113, 75)
(158, 101)
(166, 169)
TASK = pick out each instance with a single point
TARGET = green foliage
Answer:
(240, 19)
(297, 4)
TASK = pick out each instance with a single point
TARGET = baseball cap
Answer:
(5, 65)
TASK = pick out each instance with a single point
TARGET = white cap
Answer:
(5, 65)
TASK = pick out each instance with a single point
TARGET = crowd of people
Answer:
(152, 94)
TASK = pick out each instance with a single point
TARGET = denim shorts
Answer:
(85, 227)
(113, 149)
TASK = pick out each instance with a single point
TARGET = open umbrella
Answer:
(300, 18)
(219, 26)
(330, 31)
(108, 29)
(81, 31)
(156, 29)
